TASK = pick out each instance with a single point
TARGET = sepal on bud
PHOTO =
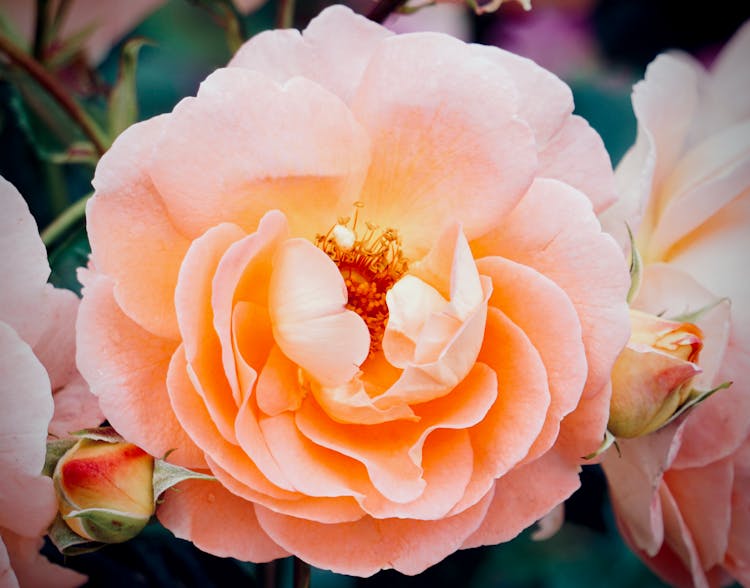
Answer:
(107, 488)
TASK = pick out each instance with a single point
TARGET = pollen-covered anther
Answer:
(370, 264)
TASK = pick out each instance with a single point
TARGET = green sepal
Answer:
(636, 267)
(107, 525)
(695, 397)
(68, 542)
(55, 450)
(167, 475)
(107, 434)
(609, 440)
(123, 99)
(696, 315)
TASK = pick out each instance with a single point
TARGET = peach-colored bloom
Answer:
(360, 278)
(36, 360)
(681, 495)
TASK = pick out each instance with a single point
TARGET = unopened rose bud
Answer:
(105, 490)
(653, 376)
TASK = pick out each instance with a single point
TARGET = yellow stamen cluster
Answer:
(370, 265)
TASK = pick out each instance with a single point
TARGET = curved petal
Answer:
(554, 231)
(514, 424)
(307, 298)
(576, 155)
(704, 498)
(27, 499)
(434, 155)
(192, 512)
(133, 238)
(369, 545)
(525, 495)
(239, 299)
(333, 50)
(259, 146)
(634, 477)
(23, 267)
(201, 342)
(520, 293)
(393, 452)
(126, 368)
(32, 569)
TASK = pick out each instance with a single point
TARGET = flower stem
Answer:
(301, 574)
(285, 14)
(63, 223)
(383, 8)
(54, 89)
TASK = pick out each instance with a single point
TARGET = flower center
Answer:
(370, 264)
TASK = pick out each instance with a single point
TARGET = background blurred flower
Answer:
(681, 495)
(441, 396)
(36, 361)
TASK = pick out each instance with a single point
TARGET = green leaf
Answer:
(693, 317)
(107, 434)
(123, 100)
(609, 440)
(695, 398)
(65, 259)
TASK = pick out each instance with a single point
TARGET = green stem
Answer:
(40, 29)
(54, 89)
(285, 14)
(301, 574)
(69, 218)
(55, 183)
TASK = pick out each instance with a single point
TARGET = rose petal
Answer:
(306, 298)
(414, 183)
(127, 217)
(32, 569)
(126, 368)
(192, 512)
(362, 547)
(260, 146)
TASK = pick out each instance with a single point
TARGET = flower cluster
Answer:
(366, 300)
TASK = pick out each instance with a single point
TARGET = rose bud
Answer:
(652, 377)
(105, 490)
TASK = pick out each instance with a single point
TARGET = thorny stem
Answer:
(53, 87)
(383, 8)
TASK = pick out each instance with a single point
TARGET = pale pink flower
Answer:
(360, 278)
(682, 494)
(37, 360)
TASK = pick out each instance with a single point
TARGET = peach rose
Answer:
(681, 495)
(36, 360)
(359, 278)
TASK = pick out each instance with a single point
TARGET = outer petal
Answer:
(524, 495)
(133, 239)
(333, 50)
(27, 499)
(32, 569)
(259, 146)
(192, 513)
(554, 230)
(127, 369)
(704, 497)
(23, 267)
(415, 181)
(369, 545)
(634, 478)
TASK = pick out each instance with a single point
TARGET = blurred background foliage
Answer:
(599, 47)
